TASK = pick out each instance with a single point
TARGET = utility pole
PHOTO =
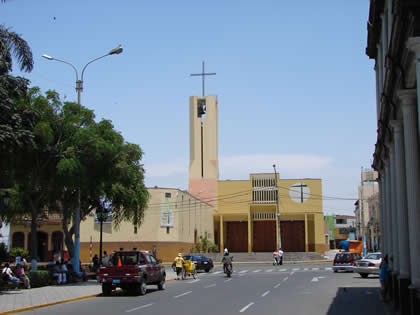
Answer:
(277, 205)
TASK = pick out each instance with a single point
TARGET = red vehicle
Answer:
(131, 271)
(345, 261)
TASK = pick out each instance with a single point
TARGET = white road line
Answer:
(140, 307)
(328, 268)
(315, 268)
(314, 279)
(292, 273)
(194, 281)
(269, 270)
(217, 272)
(177, 296)
(277, 285)
(246, 307)
(242, 275)
(258, 270)
(305, 268)
(283, 269)
(210, 285)
(243, 271)
(285, 279)
(265, 293)
(228, 280)
(296, 269)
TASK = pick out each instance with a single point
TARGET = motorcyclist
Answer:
(227, 260)
(179, 262)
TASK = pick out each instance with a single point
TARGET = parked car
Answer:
(132, 271)
(368, 265)
(201, 262)
(345, 261)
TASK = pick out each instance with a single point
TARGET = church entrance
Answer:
(292, 236)
(237, 236)
(264, 238)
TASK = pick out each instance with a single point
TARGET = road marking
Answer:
(269, 270)
(140, 307)
(285, 279)
(277, 285)
(328, 268)
(265, 293)
(228, 280)
(315, 268)
(243, 271)
(242, 275)
(296, 269)
(258, 270)
(177, 296)
(194, 281)
(314, 279)
(292, 273)
(217, 272)
(246, 307)
(283, 269)
(210, 285)
(321, 277)
(305, 268)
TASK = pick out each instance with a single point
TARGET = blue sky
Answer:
(294, 85)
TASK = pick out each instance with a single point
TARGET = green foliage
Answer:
(17, 251)
(39, 278)
(205, 246)
(4, 255)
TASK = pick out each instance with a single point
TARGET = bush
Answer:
(17, 251)
(205, 246)
(4, 255)
(39, 278)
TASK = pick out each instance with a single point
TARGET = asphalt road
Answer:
(253, 289)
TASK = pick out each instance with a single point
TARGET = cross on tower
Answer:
(202, 74)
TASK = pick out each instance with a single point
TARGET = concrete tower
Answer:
(204, 161)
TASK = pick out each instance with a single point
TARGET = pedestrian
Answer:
(383, 278)
(20, 273)
(63, 271)
(8, 275)
(276, 258)
(105, 260)
(95, 261)
(154, 252)
(57, 273)
(281, 256)
(179, 263)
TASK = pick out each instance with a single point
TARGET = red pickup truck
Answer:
(131, 271)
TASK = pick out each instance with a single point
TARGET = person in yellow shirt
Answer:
(179, 262)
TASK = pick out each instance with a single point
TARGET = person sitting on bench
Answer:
(8, 275)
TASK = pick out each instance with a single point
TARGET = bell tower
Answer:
(204, 161)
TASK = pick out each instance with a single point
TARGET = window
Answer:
(341, 221)
(167, 230)
(152, 259)
(167, 195)
(18, 240)
(149, 259)
(142, 261)
(135, 230)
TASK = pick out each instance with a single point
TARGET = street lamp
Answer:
(277, 205)
(79, 88)
(102, 216)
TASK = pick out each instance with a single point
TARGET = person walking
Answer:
(276, 260)
(95, 261)
(383, 278)
(105, 260)
(281, 256)
(179, 263)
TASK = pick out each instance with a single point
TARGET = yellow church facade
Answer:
(246, 214)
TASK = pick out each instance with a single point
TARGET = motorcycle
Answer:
(228, 270)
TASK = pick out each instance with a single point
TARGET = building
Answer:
(368, 187)
(329, 229)
(344, 228)
(393, 42)
(246, 214)
(373, 233)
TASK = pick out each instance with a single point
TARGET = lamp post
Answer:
(79, 89)
(102, 216)
(277, 205)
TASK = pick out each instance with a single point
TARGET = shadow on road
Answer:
(357, 300)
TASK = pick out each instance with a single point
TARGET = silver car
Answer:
(369, 265)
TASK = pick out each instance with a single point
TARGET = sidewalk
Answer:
(13, 301)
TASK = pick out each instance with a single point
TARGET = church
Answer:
(257, 214)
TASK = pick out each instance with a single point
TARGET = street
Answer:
(253, 289)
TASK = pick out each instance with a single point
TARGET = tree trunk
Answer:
(34, 238)
(68, 235)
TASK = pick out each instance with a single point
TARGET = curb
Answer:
(28, 308)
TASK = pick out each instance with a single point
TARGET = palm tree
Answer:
(10, 42)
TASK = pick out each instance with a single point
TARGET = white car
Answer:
(368, 265)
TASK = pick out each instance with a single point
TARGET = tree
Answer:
(16, 122)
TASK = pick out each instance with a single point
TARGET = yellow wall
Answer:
(233, 197)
